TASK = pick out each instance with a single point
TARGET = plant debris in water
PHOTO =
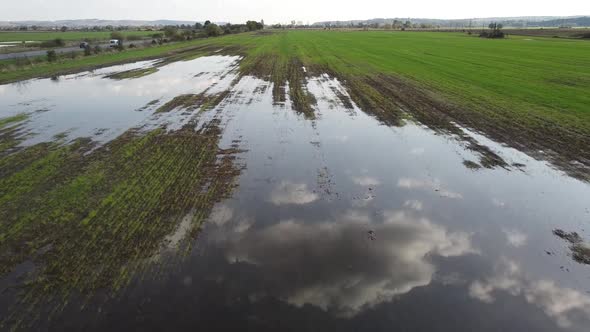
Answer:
(89, 219)
(134, 73)
(191, 102)
(580, 250)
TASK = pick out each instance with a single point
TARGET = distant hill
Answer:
(524, 21)
(96, 22)
(583, 21)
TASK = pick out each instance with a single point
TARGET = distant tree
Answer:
(170, 31)
(64, 28)
(227, 29)
(495, 31)
(51, 56)
(117, 35)
(198, 26)
(213, 30)
(187, 34)
(23, 28)
(34, 27)
(253, 25)
(207, 23)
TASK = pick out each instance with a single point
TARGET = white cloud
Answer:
(221, 214)
(292, 193)
(498, 203)
(566, 306)
(243, 226)
(515, 237)
(347, 271)
(414, 204)
(366, 181)
(412, 183)
(417, 151)
(173, 240)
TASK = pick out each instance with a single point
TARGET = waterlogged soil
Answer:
(197, 197)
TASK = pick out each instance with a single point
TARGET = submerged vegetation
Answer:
(134, 73)
(580, 250)
(89, 218)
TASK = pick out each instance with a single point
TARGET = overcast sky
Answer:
(273, 11)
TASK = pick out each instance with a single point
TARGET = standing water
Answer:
(336, 223)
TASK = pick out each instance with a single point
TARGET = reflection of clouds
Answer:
(221, 214)
(417, 151)
(414, 204)
(364, 202)
(515, 237)
(411, 183)
(498, 203)
(292, 193)
(567, 306)
(334, 266)
(365, 180)
(173, 240)
(243, 226)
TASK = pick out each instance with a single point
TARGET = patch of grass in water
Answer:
(580, 250)
(191, 102)
(134, 73)
(13, 119)
(102, 214)
(471, 165)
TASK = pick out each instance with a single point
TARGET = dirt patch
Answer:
(580, 251)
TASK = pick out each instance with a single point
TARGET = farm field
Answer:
(18, 36)
(326, 180)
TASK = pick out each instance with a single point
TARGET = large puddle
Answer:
(337, 223)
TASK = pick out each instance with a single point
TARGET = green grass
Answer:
(68, 35)
(13, 119)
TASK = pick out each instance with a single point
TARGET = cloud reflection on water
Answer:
(568, 307)
(337, 267)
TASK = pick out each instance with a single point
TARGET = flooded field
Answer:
(187, 195)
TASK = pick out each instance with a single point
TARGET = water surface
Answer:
(337, 223)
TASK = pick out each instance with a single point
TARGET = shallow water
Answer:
(338, 223)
